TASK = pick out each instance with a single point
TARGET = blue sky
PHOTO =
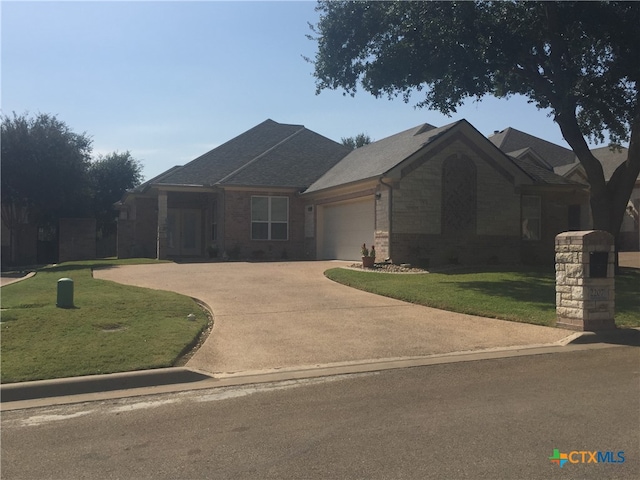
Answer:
(169, 81)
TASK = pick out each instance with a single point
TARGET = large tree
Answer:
(44, 171)
(111, 175)
(48, 174)
(578, 59)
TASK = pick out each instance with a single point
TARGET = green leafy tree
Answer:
(44, 171)
(358, 141)
(578, 59)
(111, 175)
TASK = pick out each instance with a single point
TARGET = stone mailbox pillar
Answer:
(585, 288)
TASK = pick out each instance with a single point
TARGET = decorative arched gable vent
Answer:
(459, 190)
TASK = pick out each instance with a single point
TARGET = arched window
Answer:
(459, 202)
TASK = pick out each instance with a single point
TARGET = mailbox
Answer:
(598, 262)
(585, 282)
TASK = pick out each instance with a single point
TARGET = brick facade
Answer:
(237, 227)
(77, 239)
(138, 229)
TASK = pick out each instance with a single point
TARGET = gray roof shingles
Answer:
(269, 154)
(272, 154)
(511, 140)
(610, 159)
(379, 157)
(539, 174)
(298, 162)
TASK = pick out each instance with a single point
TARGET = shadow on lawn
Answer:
(539, 290)
(81, 266)
(526, 284)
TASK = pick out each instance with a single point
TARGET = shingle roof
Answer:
(610, 159)
(377, 158)
(298, 162)
(564, 170)
(540, 174)
(143, 186)
(510, 140)
(269, 154)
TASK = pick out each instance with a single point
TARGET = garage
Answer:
(345, 226)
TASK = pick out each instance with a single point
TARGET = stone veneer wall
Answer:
(417, 236)
(583, 302)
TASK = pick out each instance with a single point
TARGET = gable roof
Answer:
(537, 168)
(270, 154)
(610, 159)
(377, 158)
(538, 173)
(512, 140)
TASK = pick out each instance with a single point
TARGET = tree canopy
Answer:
(578, 59)
(44, 168)
(48, 173)
(358, 141)
(110, 176)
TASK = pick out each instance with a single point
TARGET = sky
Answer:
(169, 81)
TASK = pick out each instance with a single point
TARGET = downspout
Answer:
(390, 188)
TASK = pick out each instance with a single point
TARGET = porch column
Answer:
(162, 226)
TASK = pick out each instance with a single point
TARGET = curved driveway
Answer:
(287, 314)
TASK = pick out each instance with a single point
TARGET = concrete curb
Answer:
(61, 387)
(165, 380)
(6, 281)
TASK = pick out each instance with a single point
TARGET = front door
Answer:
(184, 232)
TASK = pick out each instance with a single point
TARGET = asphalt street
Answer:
(494, 419)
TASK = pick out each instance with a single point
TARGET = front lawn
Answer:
(519, 294)
(113, 328)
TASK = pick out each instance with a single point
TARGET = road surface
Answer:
(488, 419)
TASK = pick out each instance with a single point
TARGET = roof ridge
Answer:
(425, 127)
(254, 160)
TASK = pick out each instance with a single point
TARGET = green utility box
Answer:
(65, 293)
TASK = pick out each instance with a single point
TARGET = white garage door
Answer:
(345, 227)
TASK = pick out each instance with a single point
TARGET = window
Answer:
(269, 218)
(531, 214)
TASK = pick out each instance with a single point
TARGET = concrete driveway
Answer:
(287, 314)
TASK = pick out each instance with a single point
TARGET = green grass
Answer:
(519, 294)
(113, 328)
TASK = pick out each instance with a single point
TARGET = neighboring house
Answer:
(629, 237)
(425, 196)
(564, 163)
(630, 230)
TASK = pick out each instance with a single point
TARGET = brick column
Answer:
(585, 284)
(161, 252)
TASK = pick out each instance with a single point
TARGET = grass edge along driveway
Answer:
(113, 327)
(521, 294)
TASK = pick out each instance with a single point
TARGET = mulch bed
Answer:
(388, 268)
